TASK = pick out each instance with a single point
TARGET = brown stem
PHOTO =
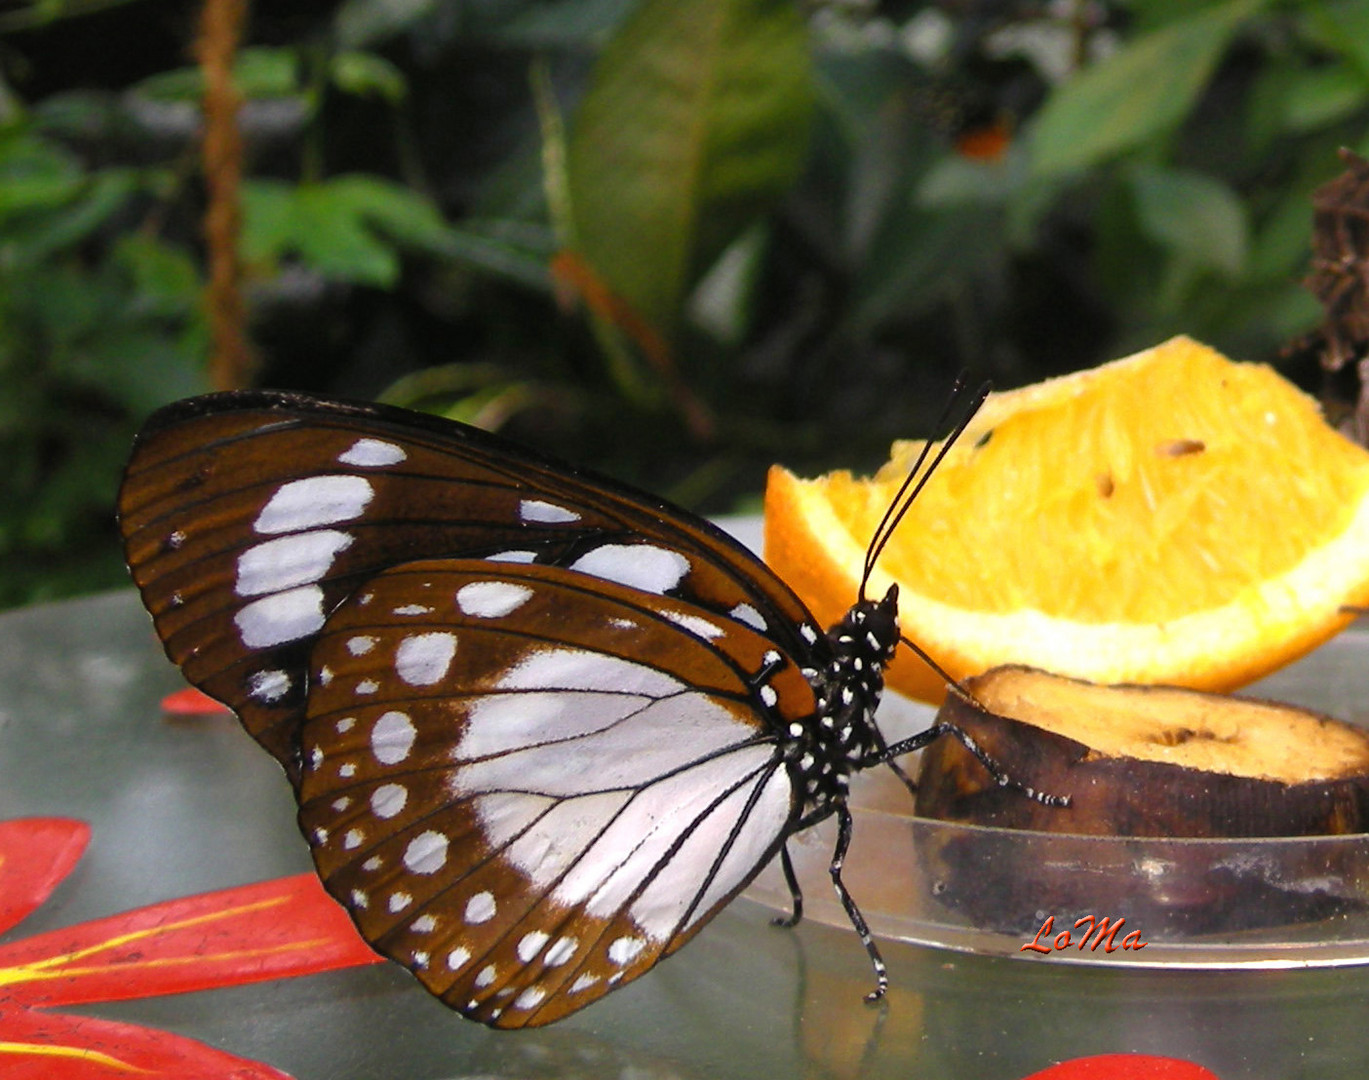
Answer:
(221, 28)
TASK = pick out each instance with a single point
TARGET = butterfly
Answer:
(541, 726)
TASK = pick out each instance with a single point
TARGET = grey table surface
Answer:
(185, 806)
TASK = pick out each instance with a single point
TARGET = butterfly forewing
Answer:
(249, 517)
(528, 786)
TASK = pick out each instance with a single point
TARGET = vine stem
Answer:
(220, 31)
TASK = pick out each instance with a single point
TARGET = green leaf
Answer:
(1193, 215)
(166, 282)
(37, 236)
(258, 72)
(321, 225)
(365, 22)
(1323, 96)
(696, 122)
(350, 228)
(1144, 90)
(333, 236)
(365, 74)
(35, 174)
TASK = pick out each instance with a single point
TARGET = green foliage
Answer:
(777, 238)
(694, 124)
(1138, 96)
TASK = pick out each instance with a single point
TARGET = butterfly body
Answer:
(541, 727)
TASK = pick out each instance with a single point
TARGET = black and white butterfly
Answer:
(541, 726)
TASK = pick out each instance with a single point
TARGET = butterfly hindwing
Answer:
(249, 517)
(528, 785)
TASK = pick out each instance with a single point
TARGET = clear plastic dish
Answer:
(1216, 904)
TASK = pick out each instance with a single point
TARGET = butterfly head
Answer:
(871, 628)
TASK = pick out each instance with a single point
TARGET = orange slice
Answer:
(1172, 517)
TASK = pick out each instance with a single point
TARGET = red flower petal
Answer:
(35, 855)
(192, 702)
(270, 930)
(44, 1046)
(1124, 1067)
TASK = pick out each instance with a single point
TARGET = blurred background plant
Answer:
(674, 239)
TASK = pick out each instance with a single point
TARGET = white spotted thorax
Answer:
(844, 738)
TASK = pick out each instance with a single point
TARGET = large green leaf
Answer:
(696, 121)
(1145, 89)
(1196, 216)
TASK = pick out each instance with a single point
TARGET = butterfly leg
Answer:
(1000, 775)
(852, 911)
(795, 893)
(882, 756)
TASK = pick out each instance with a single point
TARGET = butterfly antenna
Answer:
(883, 529)
(945, 676)
(917, 477)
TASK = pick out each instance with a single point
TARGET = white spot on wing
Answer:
(426, 853)
(372, 454)
(639, 566)
(268, 685)
(458, 957)
(749, 615)
(625, 949)
(284, 616)
(561, 951)
(529, 998)
(287, 561)
(361, 644)
(580, 669)
(392, 737)
(513, 556)
(413, 609)
(694, 624)
(530, 945)
(388, 800)
(481, 908)
(318, 500)
(491, 599)
(423, 659)
(546, 513)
